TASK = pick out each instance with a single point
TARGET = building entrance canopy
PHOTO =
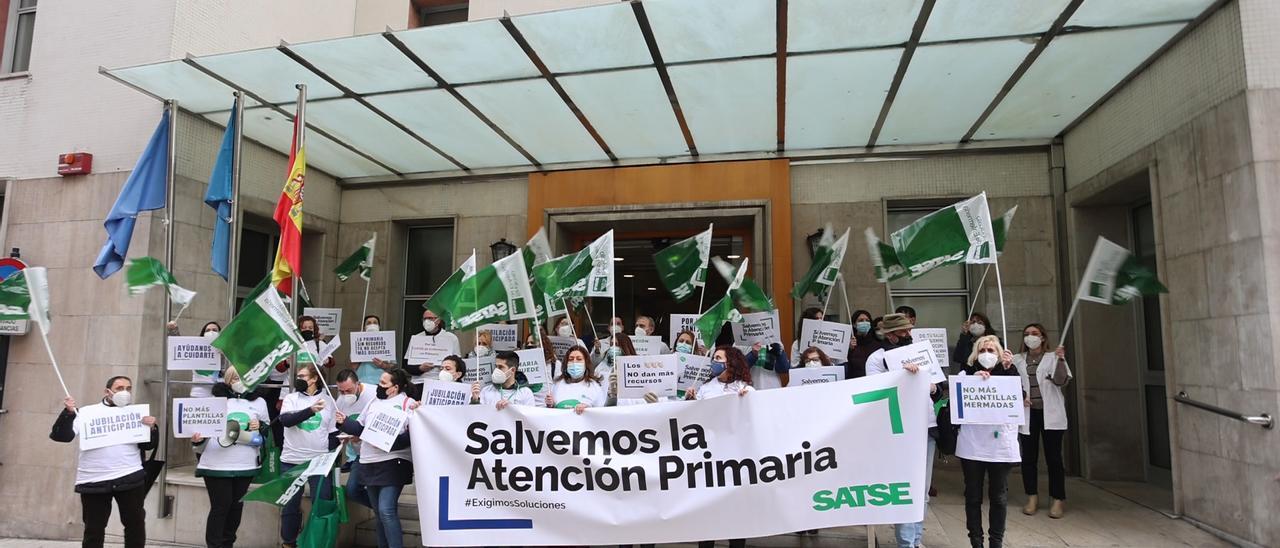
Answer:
(679, 80)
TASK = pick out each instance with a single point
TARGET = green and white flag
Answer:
(1114, 276)
(278, 491)
(537, 251)
(361, 261)
(587, 273)
(1000, 227)
(683, 265)
(441, 302)
(884, 259)
(708, 325)
(827, 259)
(600, 281)
(258, 338)
(496, 292)
(143, 273)
(24, 295)
(743, 290)
(304, 302)
(959, 233)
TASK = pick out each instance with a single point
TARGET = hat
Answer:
(894, 322)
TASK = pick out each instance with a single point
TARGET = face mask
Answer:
(904, 341)
(615, 351)
(879, 336)
(482, 350)
(863, 327)
(498, 377)
(684, 348)
(371, 327)
(988, 359)
(382, 392)
(239, 387)
(122, 398)
(347, 400)
(430, 326)
(717, 367)
(445, 376)
(576, 370)
(615, 329)
(308, 334)
(813, 363)
(977, 329)
(300, 385)
(640, 332)
(565, 330)
(211, 335)
(1033, 342)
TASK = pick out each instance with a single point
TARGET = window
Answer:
(441, 13)
(20, 24)
(941, 297)
(428, 262)
(257, 256)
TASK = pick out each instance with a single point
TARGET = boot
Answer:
(1057, 509)
(1033, 504)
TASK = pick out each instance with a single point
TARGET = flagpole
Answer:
(1004, 328)
(973, 304)
(711, 227)
(844, 293)
(364, 309)
(569, 316)
(301, 122)
(54, 361)
(233, 259)
(165, 392)
(1066, 326)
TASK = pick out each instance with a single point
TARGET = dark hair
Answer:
(206, 327)
(810, 313)
(688, 332)
(861, 312)
(113, 380)
(822, 356)
(904, 309)
(735, 363)
(590, 375)
(624, 342)
(374, 316)
(982, 318)
(348, 375)
(510, 358)
(459, 364)
(304, 319)
(1044, 334)
(399, 378)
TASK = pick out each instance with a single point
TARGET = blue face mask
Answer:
(576, 370)
(684, 348)
(863, 327)
(717, 368)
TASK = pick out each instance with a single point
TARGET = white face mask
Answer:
(446, 376)
(482, 350)
(565, 330)
(498, 377)
(988, 359)
(372, 327)
(1033, 342)
(429, 325)
(211, 335)
(347, 400)
(615, 329)
(813, 363)
(977, 329)
(239, 387)
(122, 398)
(640, 332)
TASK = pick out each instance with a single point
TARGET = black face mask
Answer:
(221, 390)
(302, 386)
(382, 393)
(904, 341)
(308, 335)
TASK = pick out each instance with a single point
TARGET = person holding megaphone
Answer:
(229, 463)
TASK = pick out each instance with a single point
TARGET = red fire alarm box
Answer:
(75, 163)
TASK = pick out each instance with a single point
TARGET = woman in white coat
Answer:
(987, 452)
(1043, 378)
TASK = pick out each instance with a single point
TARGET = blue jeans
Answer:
(386, 499)
(912, 534)
(291, 514)
(355, 491)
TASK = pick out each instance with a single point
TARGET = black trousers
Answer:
(735, 543)
(96, 511)
(225, 510)
(996, 474)
(1052, 458)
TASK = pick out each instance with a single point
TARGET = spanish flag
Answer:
(289, 216)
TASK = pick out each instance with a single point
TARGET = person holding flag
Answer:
(307, 416)
(1044, 376)
(229, 464)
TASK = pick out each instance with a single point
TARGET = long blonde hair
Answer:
(973, 356)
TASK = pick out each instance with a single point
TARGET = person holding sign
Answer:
(111, 472)
(371, 372)
(307, 416)
(976, 326)
(987, 452)
(353, 397)
(811, 313)
(863, 343)
(730, 374)
(646, 327)
(771, 358)
(624, 348)
(385, 473)
(687, 343)
(439, 341)
(503, 389)
(228, 464)
(578, 387)
(201, 381)
(1043, 378)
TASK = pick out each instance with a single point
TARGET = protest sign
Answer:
(694, 370)
(531, 476)
(478, 369)
(765, 379)
(205, 416)
(648, 346)
(104, 426)
(830, 337)
(682, 322)
(367, 345)
(332, 346)
(192, 354)
(504, 336)
(328, 320)
(921, 355)
(937, 337)
(757, 327)
(561, 345)
(533, 363)
(438, 392)
(995, 400)
(422, 349)
(801, 376)
(640, 375)
(383, 421)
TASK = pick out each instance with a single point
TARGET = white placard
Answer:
(996, 400)
(937, 337)
(478, 369)
(14, 327)
(757, 327)
(682, 322)
(801, 376)
(648, 346)
(694, 370)
(505, 337)
(204, 416)
(561, 345)
(328, 320)
(920, 354)
(533, 363)
(438, 392)
(639, 375)
(423, 350)
(367, 345)
(383, 422)
(192, 354)
(830, 337)
(330, 347)
(104, 426)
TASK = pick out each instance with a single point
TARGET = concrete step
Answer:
(367, 535)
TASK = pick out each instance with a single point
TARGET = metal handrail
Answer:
(1263, 420)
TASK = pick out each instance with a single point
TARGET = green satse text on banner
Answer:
(530, 476)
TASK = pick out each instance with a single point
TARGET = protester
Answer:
(687, 343)
(976, 326)
(228, 466)
(624, 348)
(553, 368)
(604, 343)
(578, 387)
(811, 313)
(814, 357)
(370, 372)
(201, 381)
(730, 374)
(987, 452)
(433, 330)
(646, 327)
(307, 416)
(875, 328)
(385, 473)
(862, 344)
(564, 328)
(908, 311)
(502, 388)
(111, 472)
(452, 369)
(353, 397)
(483, 346)
(1043, 381)
(773, 359)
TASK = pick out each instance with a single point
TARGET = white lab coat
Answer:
(1055, 404)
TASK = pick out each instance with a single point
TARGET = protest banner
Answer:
(192, 354)
(995, 400)
(561, 345)
(694, 370)
(757, 327)
(328, 320)
(422, 349)
(367, 345)
(530, 476)
(478, 369)
(921, 355)
(681, 322)
(438, 392)
(533, 363)
(937, 337)
(830, 337)
(504, 337)
(640, 375)
(104, 426)
(648, 346)
(205, 416)
(802, 376)
(383, 421)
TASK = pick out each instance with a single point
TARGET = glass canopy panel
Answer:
(194, 90)
(275, 131)
(946, 88)
(730, 107)
(834, 24)
(360, 127)
(365, 64)
(1072, 73)
(691, 30)
(630, 110)
(269, 74)
(476, 51)
(1136, 12)
(963, 19)
(441, 119)
(600, 37)
(833, 99)
(532, 114)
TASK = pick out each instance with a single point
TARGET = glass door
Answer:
(1151, 356)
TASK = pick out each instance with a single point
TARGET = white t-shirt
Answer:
(369, 453)
(353, 408)
(238, 457)
(715, 388)
(568, 395)
(105, 463)
(443, 338)
(490, 394)
(310, 438)
(203, 390)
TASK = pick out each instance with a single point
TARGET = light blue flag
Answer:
(218, 196)
(143, 191)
